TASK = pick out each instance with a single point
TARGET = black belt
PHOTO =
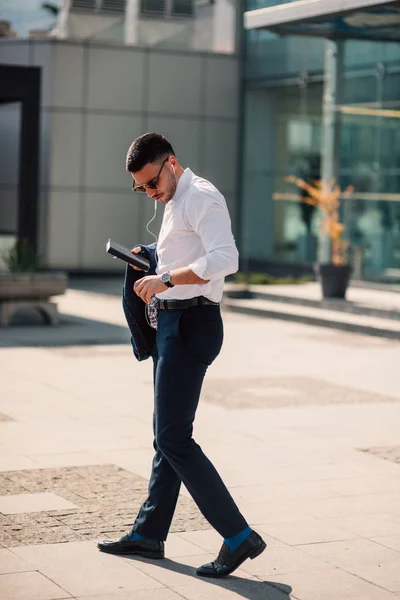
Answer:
(179, 304)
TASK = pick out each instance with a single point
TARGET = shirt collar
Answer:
(183, 184)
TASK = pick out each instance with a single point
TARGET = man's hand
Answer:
(147, 286)
(136, 251)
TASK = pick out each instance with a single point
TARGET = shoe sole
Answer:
(252, 555)
(144, 554)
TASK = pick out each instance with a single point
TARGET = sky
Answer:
(26, 14)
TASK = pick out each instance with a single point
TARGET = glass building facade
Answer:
(283, 109)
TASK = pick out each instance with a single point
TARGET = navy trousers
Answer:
(187, 343)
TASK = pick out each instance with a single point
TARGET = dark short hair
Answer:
(148, 148)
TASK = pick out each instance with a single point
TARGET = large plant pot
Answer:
(23, 286)
(334, 280)
(33, 290)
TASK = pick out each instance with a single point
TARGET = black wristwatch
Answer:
(166, 278)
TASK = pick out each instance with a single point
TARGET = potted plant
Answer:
(336, 274)
(21, 285)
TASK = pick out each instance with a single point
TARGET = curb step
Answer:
(331, 305)
(316, 314)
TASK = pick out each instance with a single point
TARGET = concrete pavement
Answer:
(302, 423)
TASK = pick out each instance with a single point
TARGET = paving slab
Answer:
(365, 485)
(368, 525)
(64, 459)
(273, 513)
(159, 594)
(386, 575)
(331, 585)
(31, 585)
(24, 503)
(390, 541)
(232, 589)
(280, 560)
(310, 531)
(15, 462)
(10, 563)
(354, 505)
(349, 553)
(207, 539)
(80, 569)
(179, 546)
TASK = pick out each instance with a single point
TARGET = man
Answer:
(195, 250)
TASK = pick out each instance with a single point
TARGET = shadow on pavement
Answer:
(246, 588)
(110, 286)
(30, 331)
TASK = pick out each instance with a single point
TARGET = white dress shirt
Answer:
(196, 233)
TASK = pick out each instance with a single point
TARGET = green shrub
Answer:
(21, 258)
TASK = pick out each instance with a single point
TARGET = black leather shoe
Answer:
(228, 561)
(146, 547)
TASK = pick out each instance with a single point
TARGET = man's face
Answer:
(160, 174)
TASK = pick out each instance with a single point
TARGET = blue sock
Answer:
(136, 536)
(234, 541)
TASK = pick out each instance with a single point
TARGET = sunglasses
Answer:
(152, 184)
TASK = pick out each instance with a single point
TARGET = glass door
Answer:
(10, 116)
(298, 153)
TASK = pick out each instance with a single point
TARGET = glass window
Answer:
(370, 161)
(283, 136)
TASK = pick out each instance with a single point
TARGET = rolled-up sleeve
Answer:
(208, 216)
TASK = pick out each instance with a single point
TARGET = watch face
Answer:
(166, 279)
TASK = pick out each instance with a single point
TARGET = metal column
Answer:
(332, 98)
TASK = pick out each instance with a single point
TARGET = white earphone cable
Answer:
(155, 237)
(151, 220)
